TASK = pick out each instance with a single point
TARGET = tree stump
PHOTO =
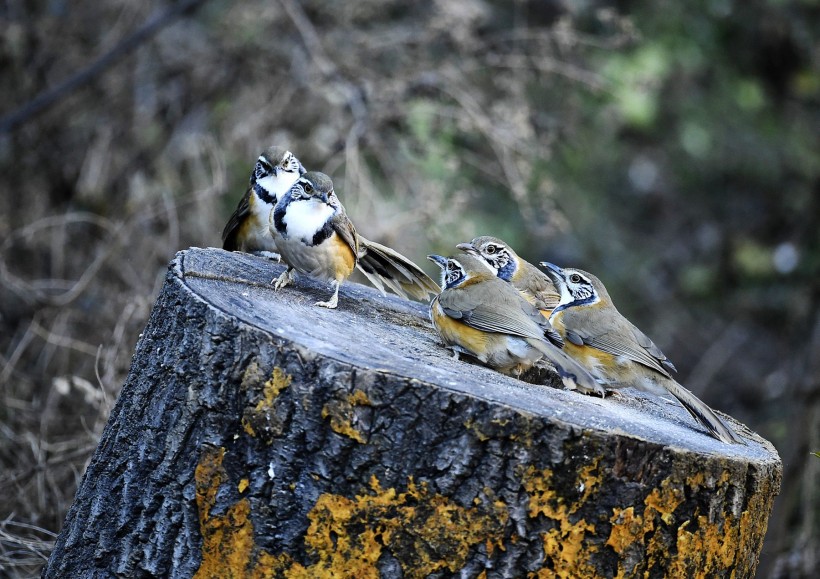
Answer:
(260, 436)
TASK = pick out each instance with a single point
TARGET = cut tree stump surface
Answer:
(259, 435)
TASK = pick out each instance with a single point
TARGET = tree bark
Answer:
(260, 436)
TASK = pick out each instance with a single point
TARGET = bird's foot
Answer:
(329, 304)
(282, 280)
(333, 301)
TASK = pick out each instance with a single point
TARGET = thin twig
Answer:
(50, 97)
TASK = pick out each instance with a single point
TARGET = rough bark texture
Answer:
(260, 436)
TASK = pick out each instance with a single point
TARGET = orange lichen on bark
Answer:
(627, 527)
(342, 414)
(259, 416)
(228, 548)
(424, 531)
(708, 544)
(566, 549)
(665, 500)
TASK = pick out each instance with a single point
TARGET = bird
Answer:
(533, 284)
(316, 237)
(614, 350)
(486, 318)
(275, 172)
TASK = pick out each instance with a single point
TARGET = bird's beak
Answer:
(468, 248)
(555, 272)
(323, 197)
(438, 260)
(276, 169)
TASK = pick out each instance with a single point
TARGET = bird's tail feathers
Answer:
(703, 414)
(383, 266)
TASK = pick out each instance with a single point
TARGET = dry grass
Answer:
(437, 122)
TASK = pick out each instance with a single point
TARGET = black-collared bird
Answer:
(614, 350)
(315, 237)
(275, 172)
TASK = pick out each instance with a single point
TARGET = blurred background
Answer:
(672, 148)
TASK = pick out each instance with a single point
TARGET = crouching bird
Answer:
(482, 316)
(614, 350)
(533, 284)
(315, 237)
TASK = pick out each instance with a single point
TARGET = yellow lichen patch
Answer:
(715, 546)
(627, 534)
(731, 544)
(566, 550)
(627, 527)
(358, 398)
(589, 479)
(243, 484)
(259, 416)
(342, 414)
(709, 549)
(425, 532)
(543, 494)
(699, 479)
(228, 548)
(473, 427)
(208, 476)
(665, 500)
(633, 531)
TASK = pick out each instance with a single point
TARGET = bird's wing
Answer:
(344, 228)
(232, 227)
(652, 349)
(581, 330)
(501, 312)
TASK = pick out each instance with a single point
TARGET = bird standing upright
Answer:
(315, 237)
(614, 350)
(486, 318)
(533, 284)
(275, 172)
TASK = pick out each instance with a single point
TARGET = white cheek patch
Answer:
(304, 218)
(566, 296)
(277, 186)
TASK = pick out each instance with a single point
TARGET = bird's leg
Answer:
(334, 300)
(455, 355)
(282, 280)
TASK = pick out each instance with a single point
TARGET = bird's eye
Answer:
(575, 278)
(308, 187)
(491, 249)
